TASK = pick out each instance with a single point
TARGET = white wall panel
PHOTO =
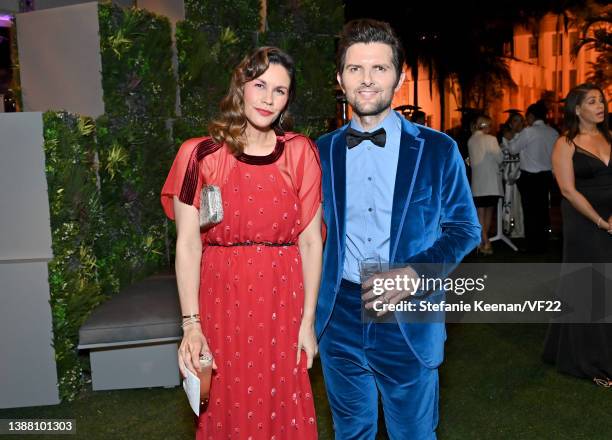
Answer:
(24, 203)
(59, 57)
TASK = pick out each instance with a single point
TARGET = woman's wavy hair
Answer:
(574, 98)
(230, 124)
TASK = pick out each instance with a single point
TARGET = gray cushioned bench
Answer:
(133, 337)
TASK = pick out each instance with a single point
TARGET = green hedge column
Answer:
(75, 211)
(307, 30)
(210, 42)
(218, 33)
(134, 139)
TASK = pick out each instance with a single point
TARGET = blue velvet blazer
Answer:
(433, 223)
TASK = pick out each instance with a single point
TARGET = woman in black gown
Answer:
(581, 164)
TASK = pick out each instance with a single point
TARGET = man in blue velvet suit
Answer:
(398, 192)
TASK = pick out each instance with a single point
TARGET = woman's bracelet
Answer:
(195, 315)
(190, 321)
(599, 220)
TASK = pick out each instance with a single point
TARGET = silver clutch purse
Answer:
(211, 206)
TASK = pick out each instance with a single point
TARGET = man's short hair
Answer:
(369, 31)
(538, 110)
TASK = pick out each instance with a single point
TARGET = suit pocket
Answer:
(420, 195)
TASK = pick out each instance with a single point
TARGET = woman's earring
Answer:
(280, 119)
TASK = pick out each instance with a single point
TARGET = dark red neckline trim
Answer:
(268, 158)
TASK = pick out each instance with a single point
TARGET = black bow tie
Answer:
(354, 137)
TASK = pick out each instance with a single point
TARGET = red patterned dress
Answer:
(251, 284)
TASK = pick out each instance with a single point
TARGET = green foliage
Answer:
(206, 56)
(217, 34)
(74, 202)
(134, 139)
(240, 15)
(133, 164)
(321, 18)
(210, 43)
(307, 30)
(137, 76)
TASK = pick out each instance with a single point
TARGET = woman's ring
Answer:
(206, 357)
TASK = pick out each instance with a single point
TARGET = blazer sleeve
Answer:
(460, 229)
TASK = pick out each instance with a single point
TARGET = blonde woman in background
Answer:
(485, 160)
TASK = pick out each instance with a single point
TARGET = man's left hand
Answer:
(399, 291)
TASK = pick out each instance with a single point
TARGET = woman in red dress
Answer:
(252, 278)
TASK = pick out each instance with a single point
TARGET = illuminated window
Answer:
(557, 44)
(533, 48)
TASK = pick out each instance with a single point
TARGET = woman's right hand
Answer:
(193, 344)
(605, 225)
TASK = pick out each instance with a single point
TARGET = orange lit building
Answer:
(539, 64)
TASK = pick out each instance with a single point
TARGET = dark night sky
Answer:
(450, 21)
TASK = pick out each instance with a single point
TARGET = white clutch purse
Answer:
(211, 206)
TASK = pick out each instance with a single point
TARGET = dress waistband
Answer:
(252, 243)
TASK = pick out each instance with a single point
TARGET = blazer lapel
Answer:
(411, 149)
(338, 179)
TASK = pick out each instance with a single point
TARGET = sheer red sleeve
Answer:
(309, 190)
(185, 177)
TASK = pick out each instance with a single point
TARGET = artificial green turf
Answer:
(492, 386)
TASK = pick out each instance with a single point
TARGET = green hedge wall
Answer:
(218, 33)
(306, 30)
(137, 77)
(76, 230)
(134, 138)
(210, 42)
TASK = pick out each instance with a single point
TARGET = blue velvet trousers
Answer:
(361, 360)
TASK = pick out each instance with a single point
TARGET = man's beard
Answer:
(377, 109)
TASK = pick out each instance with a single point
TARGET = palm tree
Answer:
(484, 80)
(462, 44)
(597, 34)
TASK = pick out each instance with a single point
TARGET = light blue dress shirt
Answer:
(370, 180)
